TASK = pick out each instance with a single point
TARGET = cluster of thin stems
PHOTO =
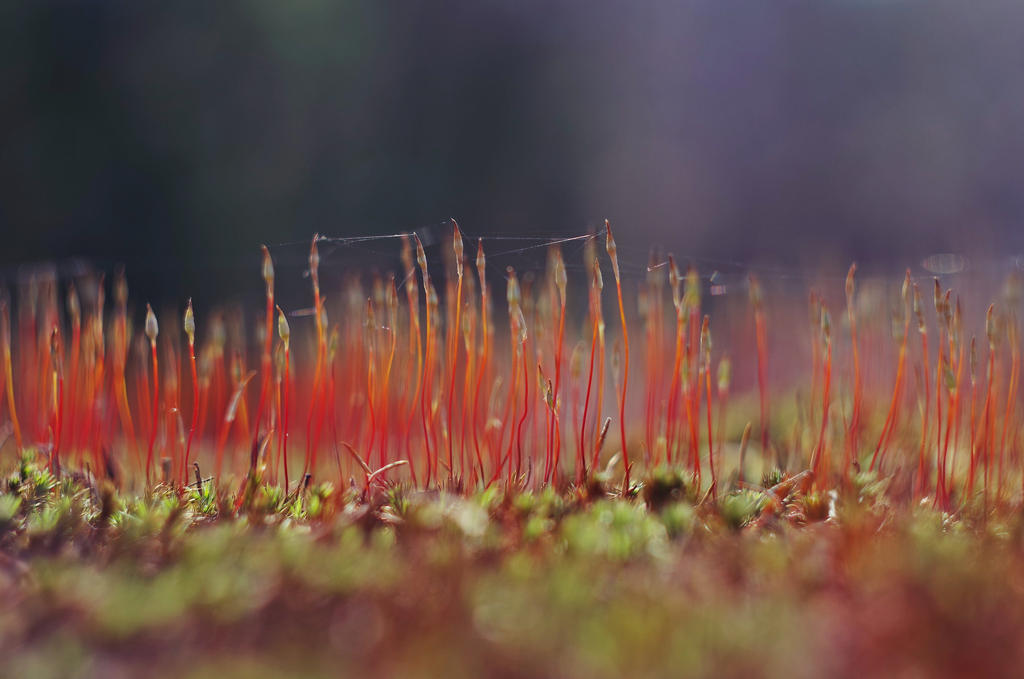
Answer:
(426, 388)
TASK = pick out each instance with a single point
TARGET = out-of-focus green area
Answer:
(320, 584)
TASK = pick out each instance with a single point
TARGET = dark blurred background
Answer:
(176, 137)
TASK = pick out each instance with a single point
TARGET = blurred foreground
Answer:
(779, 584)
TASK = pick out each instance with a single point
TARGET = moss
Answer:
(665, 485)
(168, 586)
(739, 508)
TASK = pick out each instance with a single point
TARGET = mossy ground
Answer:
(94, 583)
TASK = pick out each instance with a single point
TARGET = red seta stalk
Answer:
(120, 357)
(761, 341)
(988, 414)
(309, 464)
(481, 269)
(973, 447)
(431, 296)
(284, 332)
(853, 431)
(454, 350)
(75, 312)
(412, 298)
(819, 460)
(939, 363)
(5, 335)
(554, 438)
(923, 331)
(519, 328)
(151, 332)
(675, 283)
(190, 331)
(57, 352)
(595, 313)
(268, 339)
(512, 295)
(956, 354)
(391, 303)
(705, 350)
(614, 257)
(890, 418)
(1011, 396)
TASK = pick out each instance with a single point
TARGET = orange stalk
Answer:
(973, 447)
(762, 357)
(421, 258)
(819, 460)
(814, 308)
(278, 409)
(58, 379)
(454, 352)
(509, 412)
(412, 297)
(96, 385)
(595, 310)
(328, 410)
(675, 283)
(190, 331)
(724, 383)
(151, 333)
(284, 332)
(613, 255)
(75, 312)
(391, 302)
(939, 362)
(852, 433)
(8, 373)
(988, 413)
(468, 340)
(890, 418)
(370, 326)
(922, 329)
(120, 357)
(943, 377)
(526, 401)
(518, 326)
(958, 346)
(268, 339)
(705, 350)
(321, 354)
(952, 409)
(428, 403)
(554, 440)
(481, 266)
(691, 384)
(1011, 396)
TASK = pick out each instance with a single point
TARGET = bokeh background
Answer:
(177, 137)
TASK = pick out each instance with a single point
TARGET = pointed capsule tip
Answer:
(152, 329)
